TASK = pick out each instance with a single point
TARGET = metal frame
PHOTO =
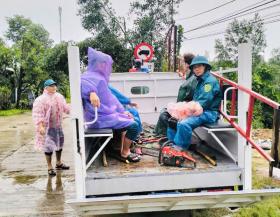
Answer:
(220, 143)
(109, 137)
(155, 181)
(168, 202)
(164, 202)
(79, 125)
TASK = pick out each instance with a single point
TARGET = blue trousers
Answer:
(137, 119)
(182, 137)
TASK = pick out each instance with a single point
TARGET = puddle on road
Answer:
(27, 179)
(41, 194)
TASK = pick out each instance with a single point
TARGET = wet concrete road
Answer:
(25, 188)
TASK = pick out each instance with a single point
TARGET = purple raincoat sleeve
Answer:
(87, 87)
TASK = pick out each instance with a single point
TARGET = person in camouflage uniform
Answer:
(185, 93)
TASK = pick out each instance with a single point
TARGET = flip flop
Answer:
(51, 172)
(62, 166)
(132, 157)
(117, 156)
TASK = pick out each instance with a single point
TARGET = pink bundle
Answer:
(182, 110)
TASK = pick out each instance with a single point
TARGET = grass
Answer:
(11, 112)
(210, 212)
(269, 207)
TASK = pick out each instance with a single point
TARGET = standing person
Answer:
(111, 113)
(185, 93)
(208, 94)
(47, 115)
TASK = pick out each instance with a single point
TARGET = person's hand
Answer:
(128, 114)
(42, 130)
(94, 100)
(180, 73)
(133, 104)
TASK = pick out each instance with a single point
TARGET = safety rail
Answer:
(253, 96)
(95, 117)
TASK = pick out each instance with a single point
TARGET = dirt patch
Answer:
(262, 134)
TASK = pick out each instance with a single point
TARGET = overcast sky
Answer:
(45, 12)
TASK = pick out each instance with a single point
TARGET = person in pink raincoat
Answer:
(47, 115)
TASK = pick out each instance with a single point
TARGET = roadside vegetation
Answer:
(11, 112)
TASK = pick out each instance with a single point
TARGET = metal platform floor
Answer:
(148, 175)
(149, 166)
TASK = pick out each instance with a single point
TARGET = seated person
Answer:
(208, 94)
(111, 114)
(185, 93)
(128, 105)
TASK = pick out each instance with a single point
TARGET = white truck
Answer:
(147, 186)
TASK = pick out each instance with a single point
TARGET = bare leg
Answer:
(122, 140)
(58, 157)
(49, 161)
(59, 164)
(126, 147)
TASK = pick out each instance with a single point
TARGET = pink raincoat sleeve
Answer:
(38, 112)
(65, 105)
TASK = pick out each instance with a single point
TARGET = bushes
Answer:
(5, 98)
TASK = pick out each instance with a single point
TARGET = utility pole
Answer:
(174, 27)
(60, 13)
(172, 12)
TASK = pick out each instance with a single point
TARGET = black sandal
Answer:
(62, 166)
(132, 157)
(51, 172)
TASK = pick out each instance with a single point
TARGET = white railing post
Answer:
(77, 120)
(244, 79)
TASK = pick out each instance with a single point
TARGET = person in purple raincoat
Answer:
(111, 114)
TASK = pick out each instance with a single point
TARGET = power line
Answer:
(206, 36)
(204, 12)
(232, 16)
(229, 17)
(272, 21)
(241, 9)
(222, 32)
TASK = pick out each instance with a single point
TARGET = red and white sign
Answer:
(144, 51)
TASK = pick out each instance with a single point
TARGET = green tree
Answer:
(152, 21)
(110, 44)
(180, 39)
(6, 61)
(29, 43)
(109, 32)
(275, 56)
(6, 74)
(242, 32)
(153, 18)
(56, 65)
(264, 82)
